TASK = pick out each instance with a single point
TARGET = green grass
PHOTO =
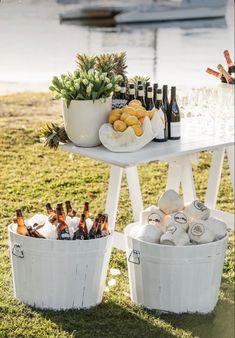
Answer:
(31, 175)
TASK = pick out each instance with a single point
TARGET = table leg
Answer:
(173, 177)
(214, 178)
(230, 155)
(134, 191)
(113, 194)
(187, 182)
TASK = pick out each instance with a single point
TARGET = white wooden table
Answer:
(180, 155)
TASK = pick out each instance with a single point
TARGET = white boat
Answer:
(185, 10)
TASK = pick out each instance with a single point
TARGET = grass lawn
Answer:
(31, 175)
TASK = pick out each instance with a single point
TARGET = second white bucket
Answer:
(59, 274)
(175, 279)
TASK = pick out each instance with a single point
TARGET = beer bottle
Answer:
(174, 117)
(49, 209)
(82, 232)
(86, 210)
(140, 95)
(93, 230)
(131, 92)
(231, 65)
(105, 228)
(147, 84)
(21, 227)
(70, 211)
(155, 87)
(99, 226)
(34, 233)
(149, 100)
(62, 227)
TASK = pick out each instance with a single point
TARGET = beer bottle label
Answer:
(175, 129)
(65, 234)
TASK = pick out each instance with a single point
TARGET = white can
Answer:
(197, 210)
(175, 235)
(200, 233)
(179, 218)
(152, 215)
(218, 227)
(149, 233)
(170, 201)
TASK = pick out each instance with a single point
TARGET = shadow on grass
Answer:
(218, 324)
(106, 320)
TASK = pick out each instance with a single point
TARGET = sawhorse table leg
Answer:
(180, 172)
(113, 195)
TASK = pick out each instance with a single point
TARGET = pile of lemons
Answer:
(131, 115)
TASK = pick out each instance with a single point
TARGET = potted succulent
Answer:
(86, 95)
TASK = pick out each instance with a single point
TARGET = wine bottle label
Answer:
(159, 97)
(118, 103)
(162, 134)
(149, 95)
(123, 90)
(132, 91)
(175, 129)
(141, 93)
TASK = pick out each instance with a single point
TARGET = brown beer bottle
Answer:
(21, 227)
(105, 228)
(86, 210)
(70, 211)
(62, 227)
(34, 233)
(82, 232)
(100, 226)
(49, 209)
(93, 230)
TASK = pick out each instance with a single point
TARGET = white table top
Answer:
(192, 141)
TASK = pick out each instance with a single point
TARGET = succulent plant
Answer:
(53, 134)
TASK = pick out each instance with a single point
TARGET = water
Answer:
(35, 46)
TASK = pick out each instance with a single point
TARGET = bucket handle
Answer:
(136, 257)
(17, 251)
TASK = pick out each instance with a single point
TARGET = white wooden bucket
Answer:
(59, 274)
(175, 279)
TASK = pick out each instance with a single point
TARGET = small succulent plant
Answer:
(53, 134)
(84, 85)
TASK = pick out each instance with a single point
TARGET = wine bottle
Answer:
(139, 83)
(165, 105)
(158, 102)
(140, 95)
(231, 65)
(155, 87)
(163, 136)
(123, 91)
(131, 92)
(149, 100)
(216, 74)
(174, 117)
(227, 76)
(120, 100)
(147, 84)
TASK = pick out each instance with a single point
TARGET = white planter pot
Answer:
(83, 119)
